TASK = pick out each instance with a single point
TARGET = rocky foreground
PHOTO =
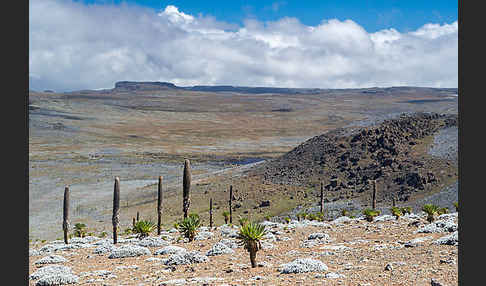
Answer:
(344, 251)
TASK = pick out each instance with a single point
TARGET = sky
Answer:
(83, 44)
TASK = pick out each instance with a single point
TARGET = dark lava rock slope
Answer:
(347, 161)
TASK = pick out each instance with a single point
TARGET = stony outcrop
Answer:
(347, 160)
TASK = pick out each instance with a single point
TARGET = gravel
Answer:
(445, 144)
(302, 265)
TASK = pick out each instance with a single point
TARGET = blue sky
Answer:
(405, 15)
(91, 44)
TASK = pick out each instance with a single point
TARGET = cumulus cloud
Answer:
(76, 46)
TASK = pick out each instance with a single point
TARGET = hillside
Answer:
(346, 160)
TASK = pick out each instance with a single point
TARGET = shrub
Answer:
(456, 205)
(189, 226)
(250, 235)
(397, 212)
(287, 219)
(370, 214)
(144, 228)
(406, 210)
(80, 230)
(242, 220)
(102, 234)
(344, 212)
(312, 217)
(431, 210)
(226, 216)
(442, 211)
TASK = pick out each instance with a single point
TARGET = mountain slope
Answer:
(346, 161)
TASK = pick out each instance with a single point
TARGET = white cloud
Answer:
(81, 46)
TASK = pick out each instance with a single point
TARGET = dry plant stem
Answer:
(65, 221)
(116, 208)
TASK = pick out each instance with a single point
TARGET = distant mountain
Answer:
(134, 86)
(142, 86)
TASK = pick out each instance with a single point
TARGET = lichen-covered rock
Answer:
(84, 240)
(129, 251)
(440, 225)
(384, 218)
(51, 259)
(180, 281)
(50, 270)
(318, 235)
(267, 245)
(227, 231)
(203, 235)
(219, 249)
(101, 273)
(302, 265)
(341, 220)
(57, 279)
(170, 249)
(451, 239)
(231, 243)
(269, 237)
(333, 275)
(186, 258)
(416, 241)
(49, 248)
(104, 248)
(152, 242)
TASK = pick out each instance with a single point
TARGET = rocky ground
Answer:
(344, 251)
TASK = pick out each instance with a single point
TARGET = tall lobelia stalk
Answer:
(186, 187)
(116, 208)
(211, 213)
(159, 206)
(322, 198)
(374, 194)
(230, 204)
(65, 219)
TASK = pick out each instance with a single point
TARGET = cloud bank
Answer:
(75, 46)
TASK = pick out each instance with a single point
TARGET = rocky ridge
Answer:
(348, 160)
